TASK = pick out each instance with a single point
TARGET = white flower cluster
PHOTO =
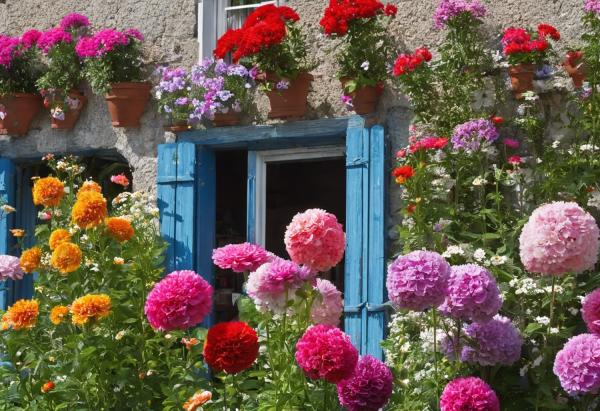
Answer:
(594, 200)
(529, 286)
(135, 206)
(70, 167)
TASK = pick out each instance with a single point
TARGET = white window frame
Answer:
(212, 21)
(263, 158)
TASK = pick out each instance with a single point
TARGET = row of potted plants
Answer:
(48, 68)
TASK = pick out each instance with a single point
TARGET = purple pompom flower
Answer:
(590, 311)
(369, 387)
(468, 394)
(240, 258)
(473, 294)
(470, 136)
(577, 365)
(10, 268)
(418, 280)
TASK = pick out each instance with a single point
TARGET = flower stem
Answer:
(434, 320)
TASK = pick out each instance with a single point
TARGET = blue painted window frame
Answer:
(186, 200)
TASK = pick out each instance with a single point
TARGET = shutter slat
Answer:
(7, 195)
(167, 181)
(185, 206)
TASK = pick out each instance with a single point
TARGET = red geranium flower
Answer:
(539, 45)
(424, 53)
(515, 160)
(497, 120)
(390, 9)
(548, 30)
(231, 347)
(340, 13)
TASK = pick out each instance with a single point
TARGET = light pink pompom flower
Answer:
(328, 305)
(179, 301)
(316, 239)
(559, 238)
(240, 258)
(10, 268)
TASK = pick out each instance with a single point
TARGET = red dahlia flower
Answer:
(231, 347)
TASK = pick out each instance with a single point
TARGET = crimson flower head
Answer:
(424, 53)
(47, 387)
(231, 347)
(390, 10)
(515, 160)
(546, 30)
(497, 120)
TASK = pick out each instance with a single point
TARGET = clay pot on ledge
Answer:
(289, 103)
(577, 73)
(364, 99)
(231, 118)
(17, 112)
(75, 103)
(177, 127)
(521, 77)
(127, 102)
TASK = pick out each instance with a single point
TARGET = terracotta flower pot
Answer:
(521, 78)
(231, 118)
(577, 73)
(76, 105)
(289, 103)
(18, 111)
(126, 103)
(365, 99)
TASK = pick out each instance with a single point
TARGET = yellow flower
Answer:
(22, 314)
(17, 232)
(4, 325)
(91, 306)
(196, 400)
(30, 259)
(58, 313)
(119, 228)
(89, 186)
(48, 191)
(66, 258)
(89, 209)
(58, 237)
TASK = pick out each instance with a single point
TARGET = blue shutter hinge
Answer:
(356, 308)
(387, 306)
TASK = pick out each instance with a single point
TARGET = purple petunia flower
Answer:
(470, 136)
(283, 85)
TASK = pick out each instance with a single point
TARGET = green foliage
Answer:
(63, 74)
(122, 64)
(22, 74)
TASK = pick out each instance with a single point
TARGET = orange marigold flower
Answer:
(17, 232)
(30, 259)
(91, 306)
(66, 258)
(22, 314)
(58, 314)
(48, 191)
(89, 209)
(89, 185)
(58, 237)
(119, 228)
(196, 400)
(4, 325)
(49, 386)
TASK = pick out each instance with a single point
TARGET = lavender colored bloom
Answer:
(418, 280)
(10, 268)
(592, 6)
(473, 134)
(224, 95)
(473, 294)
(237, 70)
(253, 73)
(448, 9)
(182, 101)
(283, 85)
(167, 109)
(369, 387)
(544, 72)
(577, 365)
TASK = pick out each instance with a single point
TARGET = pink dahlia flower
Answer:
(577, 365)
(240, 258)
(369, 387)
(325, 352)
(51, 38)
(328, 306)
(10, 268)
(418, 280)
(316, 239)
(590, 311)
(559, 238)
(468, 394)
(473, 294)
(179, 301)
(74, 21)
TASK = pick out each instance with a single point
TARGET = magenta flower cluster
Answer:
(470, 136)
(30, 38)
(448, 9)
(418, 280)
(179, 301)
(559, 238)
(9, 49)
(368, 388)
(105, 41)
(495, 342)
(74, 21)
(325, 352)
(473, 294)
(10, 268)
(328, 306)
(577, 365)
(315, 239)
(592, 6)
(468, 394)
(245, 257)
(53, 37)
(590, 311)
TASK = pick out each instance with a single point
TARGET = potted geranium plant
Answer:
(220, 91)
(59, 85)
(365, 48)
(113, 66)
(19, 70)
(172, 92)
(525, 50)
(271, 40)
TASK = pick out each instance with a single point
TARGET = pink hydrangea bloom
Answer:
(590, 311)
(468, 394)
(240, 258)
(328, 306)
(179, 301)
(316, 239)
(418, 280)
(325, 352)
(369, 387)
(577, 365)
(52, 37)
(30, 38)
(559, 238)
(10, 268)
(74, 21)
(473, 294)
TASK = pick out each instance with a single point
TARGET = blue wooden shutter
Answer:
(7, 195)
(251, 198)
(165, 193)
(26, 218)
